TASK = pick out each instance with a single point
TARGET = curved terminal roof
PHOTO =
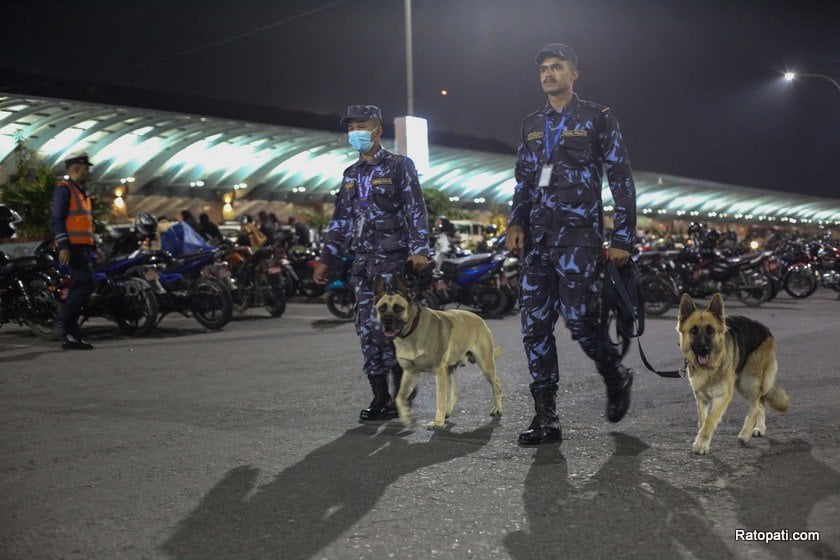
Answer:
(172, 150)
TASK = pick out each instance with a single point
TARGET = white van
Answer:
(469, 232)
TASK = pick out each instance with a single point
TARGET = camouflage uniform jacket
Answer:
(579, 141)
(379, 211)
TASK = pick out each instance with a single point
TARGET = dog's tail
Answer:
(497, 351)
(778, 399)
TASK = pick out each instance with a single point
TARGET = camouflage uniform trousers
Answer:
(563, 281)
(378, 351)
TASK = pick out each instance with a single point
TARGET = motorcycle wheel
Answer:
(45, 307)
(755, 290)
(212, 303)
(289, 284)
(493, 302)
(341, 303)
(274, 296)
(656, 293)
(800, 282)
(136, 313)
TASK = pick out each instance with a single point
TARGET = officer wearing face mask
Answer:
(380, 216)
(557, 219)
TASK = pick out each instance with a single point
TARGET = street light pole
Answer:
(790, 76)
(409, 63)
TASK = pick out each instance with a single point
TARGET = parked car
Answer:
(470, 233)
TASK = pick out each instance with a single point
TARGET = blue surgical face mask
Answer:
(360, 140)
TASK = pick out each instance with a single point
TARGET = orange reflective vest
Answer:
(79, 221)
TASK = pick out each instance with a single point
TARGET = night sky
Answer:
(696, 85)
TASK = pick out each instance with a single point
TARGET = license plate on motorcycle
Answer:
(274, 270)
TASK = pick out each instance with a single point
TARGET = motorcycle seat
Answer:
(189, 258)
(19, 264)
(450, 266)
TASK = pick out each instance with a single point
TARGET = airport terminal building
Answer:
(162, 162)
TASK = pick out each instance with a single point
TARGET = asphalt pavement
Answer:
(245, 444)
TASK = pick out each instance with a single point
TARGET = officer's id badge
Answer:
(382, 181)
(545, 175)
(575, 134)
(534, 136)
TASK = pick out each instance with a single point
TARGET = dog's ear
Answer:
(686, 308)
(399, 285)
(378, 286)
(716, 307)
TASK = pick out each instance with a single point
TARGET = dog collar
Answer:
(414, 324)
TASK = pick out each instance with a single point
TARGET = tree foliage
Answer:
(438, 204)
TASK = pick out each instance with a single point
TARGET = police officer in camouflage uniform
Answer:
(380, 215)
(556, 219)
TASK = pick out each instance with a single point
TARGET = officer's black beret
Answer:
(78, 158)
(362, 113)
(559, 50)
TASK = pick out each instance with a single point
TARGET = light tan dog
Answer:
(434, 341)
(724, 354)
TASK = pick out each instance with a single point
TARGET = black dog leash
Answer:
(638, 320)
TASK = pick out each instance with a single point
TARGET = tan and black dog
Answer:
(434, 341)
(724, 354)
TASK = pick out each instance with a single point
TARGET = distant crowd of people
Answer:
(265, 229)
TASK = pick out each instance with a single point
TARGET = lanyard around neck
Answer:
(552, 135)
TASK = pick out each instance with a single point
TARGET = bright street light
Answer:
(790, 76)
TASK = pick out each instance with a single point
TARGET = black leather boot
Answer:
(545, 427)
(618, 393)
(382, 406)
(396, 375)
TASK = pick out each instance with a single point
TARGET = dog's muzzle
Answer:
(702, 355)
(390, 326)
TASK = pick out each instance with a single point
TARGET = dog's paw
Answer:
(758, 432)
(407, 421)
(701, 446)
(434, 425)
(497, 411)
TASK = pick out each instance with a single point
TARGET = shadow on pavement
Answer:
(788, 476)
(29, 355)
(656, 519)
(310, 504)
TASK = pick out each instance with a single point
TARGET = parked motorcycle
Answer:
(477, 281)
(701, 274)
(257, 280)
(29, 293)
(656, 284)
(119, 294)
(341, 298)
(186, 285)
(304, 261)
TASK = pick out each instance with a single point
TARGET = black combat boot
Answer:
(396, 375)
(545, 427)
(382, 406)
(618, 392)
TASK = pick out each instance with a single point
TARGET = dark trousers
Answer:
(81, 286)
(563, 281)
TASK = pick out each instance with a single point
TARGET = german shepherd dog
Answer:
(434, 341)
(723, 354)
